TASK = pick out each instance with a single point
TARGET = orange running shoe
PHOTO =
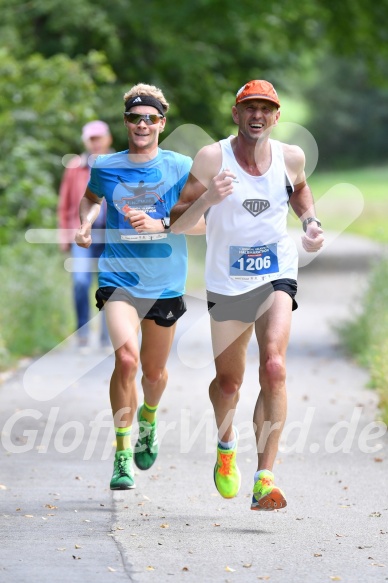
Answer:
(267, 496)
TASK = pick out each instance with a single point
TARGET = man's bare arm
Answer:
(89, 210)
(204, 188)
(301, 200)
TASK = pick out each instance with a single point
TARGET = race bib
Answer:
(144, 237)
(253, 263)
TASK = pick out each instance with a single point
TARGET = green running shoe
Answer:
(266, 496)
(227, 477)
(122, 478)
(146, 448)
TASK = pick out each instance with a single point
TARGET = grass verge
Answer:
(35, 311)
(365, 336)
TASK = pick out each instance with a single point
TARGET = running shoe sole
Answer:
(273, 501)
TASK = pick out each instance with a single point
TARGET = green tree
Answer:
(199, 52)
(348, 115)
(41, 102)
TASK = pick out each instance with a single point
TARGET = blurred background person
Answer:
(97, 140)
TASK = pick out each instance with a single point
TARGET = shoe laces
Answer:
(148, 435)
(123, 465)
(226, 460)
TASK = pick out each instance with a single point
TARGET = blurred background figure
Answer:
(97, 140)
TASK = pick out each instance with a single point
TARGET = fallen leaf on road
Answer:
(247, 565)
(216, 524)
(149, 568)
(335, 578)
(164, 526)
(185, 568)
(29, 515)
(50, 506)
(111, 569)
(2, 487)
(77, 547)
(229, 569)
(317, 555)
(375, 514)
(61, 549)
(378, 459)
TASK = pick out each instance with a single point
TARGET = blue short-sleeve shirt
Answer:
(149, 265)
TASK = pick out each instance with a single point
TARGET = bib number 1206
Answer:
(254, 263)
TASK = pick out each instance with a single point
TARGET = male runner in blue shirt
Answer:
(142, 271)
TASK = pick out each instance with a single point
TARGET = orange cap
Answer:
(257, 90)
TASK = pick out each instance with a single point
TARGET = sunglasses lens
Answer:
(153, 117)
(148, 118)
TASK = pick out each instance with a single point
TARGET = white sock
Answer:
(228, 444)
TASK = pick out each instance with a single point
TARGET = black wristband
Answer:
(166, 224)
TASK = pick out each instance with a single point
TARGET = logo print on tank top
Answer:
(256, 205)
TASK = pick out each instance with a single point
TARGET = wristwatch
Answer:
(166, 223)
(309, 220)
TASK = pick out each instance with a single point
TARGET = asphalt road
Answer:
(60, 522)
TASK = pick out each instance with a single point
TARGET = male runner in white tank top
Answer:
(244, 185)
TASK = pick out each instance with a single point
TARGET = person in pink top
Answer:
(97, 140)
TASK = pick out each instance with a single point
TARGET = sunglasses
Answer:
(148, 118)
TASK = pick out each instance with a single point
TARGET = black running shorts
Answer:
(165, 312)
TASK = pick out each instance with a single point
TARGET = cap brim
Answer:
(263, 97)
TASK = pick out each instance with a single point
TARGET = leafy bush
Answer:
(43, 105)
(35, 311)
(366, 336)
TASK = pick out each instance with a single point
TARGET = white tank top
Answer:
(247, 240)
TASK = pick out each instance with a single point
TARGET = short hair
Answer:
(151, 90)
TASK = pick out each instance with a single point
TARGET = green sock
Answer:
(123, 438)
(148, 413)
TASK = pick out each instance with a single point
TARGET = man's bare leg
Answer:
(272, 331)
(155, 348)
(230, 341)
(123, 325)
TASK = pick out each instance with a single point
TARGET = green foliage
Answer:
(40, 103)
(35, 311)
(372, 183)
(197, 51)
(348, 115)
(365, 335)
